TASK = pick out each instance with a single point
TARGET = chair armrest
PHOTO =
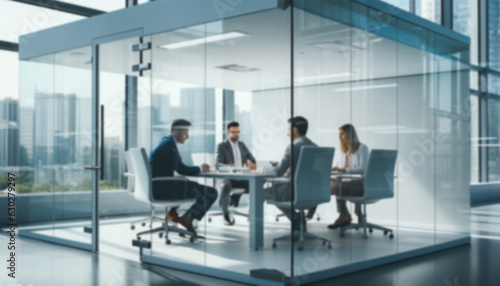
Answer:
(280, 180)
(180, 179)
(349, 176)
(129, 175)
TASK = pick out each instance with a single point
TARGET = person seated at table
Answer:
(352, 160)
(283, 190)
(164, 159)
(234, 153)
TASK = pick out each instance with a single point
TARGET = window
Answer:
(18, 19)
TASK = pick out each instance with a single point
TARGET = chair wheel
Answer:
(300, 248)
(160, 235)
(371, 230)
(277, 219)
(318, 219)
(209, 219)
(391, 236)
(191, 239)
(274, 244)
(132, 227)
(168, 242)
(143, 224)
(385, 232)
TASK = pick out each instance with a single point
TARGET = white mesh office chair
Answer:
(312, 187)
(130, 188)
(144, 192)
(378, 184)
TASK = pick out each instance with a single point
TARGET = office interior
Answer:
(403, 84)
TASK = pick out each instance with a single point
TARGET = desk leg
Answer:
(256, 213)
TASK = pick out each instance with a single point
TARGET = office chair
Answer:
(144, 192)
(234, 191)
(378, 184)
(312, 187)
(130, 188)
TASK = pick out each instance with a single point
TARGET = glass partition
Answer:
(403, 88)
(211, 75)
(341, 65)
(56, 144)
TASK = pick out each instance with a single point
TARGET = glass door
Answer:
(124, 116)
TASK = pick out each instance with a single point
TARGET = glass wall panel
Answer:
(72, 138)
(9, 117)
(178, 92)
(494, 35)
(465, 19)
(55, 145)
(429, 9)
(452, 168)
(211, 83)
(125, 99)
(493, 143)
(494, 84)
(36, 136)
(475, 141)
(17, 19)
(8, 75)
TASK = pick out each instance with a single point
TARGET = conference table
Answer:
(256, 191)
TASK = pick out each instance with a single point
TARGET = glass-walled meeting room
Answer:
(399, 84)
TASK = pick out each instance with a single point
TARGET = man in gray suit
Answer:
(234, 153)
(297, 130)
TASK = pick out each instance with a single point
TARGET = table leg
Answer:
(256, 213)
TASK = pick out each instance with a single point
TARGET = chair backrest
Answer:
(312, 176)
(379, 174)
(130, 170)
(142, 171)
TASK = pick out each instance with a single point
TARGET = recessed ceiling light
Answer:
(366, 87)
(199, 41)
(309, 78)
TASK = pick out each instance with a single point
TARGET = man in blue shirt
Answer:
(164, 160)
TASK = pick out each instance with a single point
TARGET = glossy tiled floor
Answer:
(476, 264)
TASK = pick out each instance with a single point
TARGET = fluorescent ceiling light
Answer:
(238, 68)
(199, 41)
(309, 78)
(366, 87)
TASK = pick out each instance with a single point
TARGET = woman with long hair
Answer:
(352, 160)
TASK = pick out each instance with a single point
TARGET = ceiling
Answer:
(325, 51)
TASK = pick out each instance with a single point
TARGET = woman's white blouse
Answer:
(357, 161)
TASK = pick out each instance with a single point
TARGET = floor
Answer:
(48, 264)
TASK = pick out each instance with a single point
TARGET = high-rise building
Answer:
(9, 149)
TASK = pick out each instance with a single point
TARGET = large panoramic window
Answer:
(21, 19)
(494, 34)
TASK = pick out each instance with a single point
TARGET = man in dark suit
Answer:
(234, 153)
(164, 159)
